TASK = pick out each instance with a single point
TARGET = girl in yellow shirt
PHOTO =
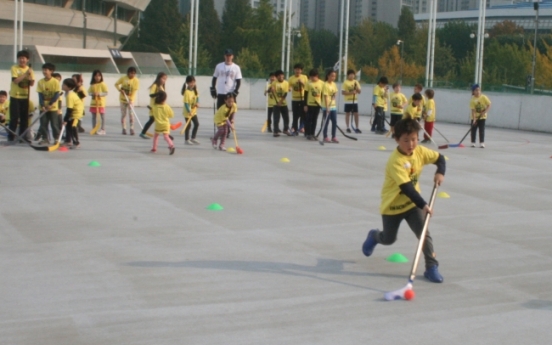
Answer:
(191, 103)
(162, 112)
(223, 117)
(98, 91)
(158, 85)
(479, 105)
(73, 114)
(329, 107)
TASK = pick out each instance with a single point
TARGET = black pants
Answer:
(297, 107)
(195, 121)
(284, 112)
(19, 115)
(379, 121)
(311, 120)
(415, 220)
(148, 124)
(269, 117)
(71, 131)
(481, 125)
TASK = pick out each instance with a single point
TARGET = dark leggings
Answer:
(312, 119)
(415, 219)
(148, 124)
(269, 117)
(379, 121)
(298, 109)
(72, 131)
(283, 110)
(333, 119)
(195, 121)
(481, 125)
(19, 115)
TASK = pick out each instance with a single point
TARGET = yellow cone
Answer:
(443, 195)
(284, 160)
(230, 149)
(382, 148)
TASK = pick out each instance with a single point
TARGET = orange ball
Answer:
(409, 294)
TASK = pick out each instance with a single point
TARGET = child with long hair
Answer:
(191, 103)
(81, 92)
(224, 115)
(329, 106)
(158, 85)
(73, 114)
(98, 91)
(162, 112)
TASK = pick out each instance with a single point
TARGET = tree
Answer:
(234, 15)
(323, 46)
(506, 28)
(456, 35)
(209, 30)
(406, 24)
(302, 53)
(250, 64)
(180, 53)
(161, 17)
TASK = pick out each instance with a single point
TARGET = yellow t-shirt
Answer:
(297, 90)
(5, 110)
(223, 113)
(97, 88)
(162, 113)
(48, 88)
(350, 86)
(315, 93)
(421, 107)
(153, 90)
(402, 169)
(411, 112)
(271, 99)
(75, 103)
(329, 93)
(190, 98)
(479, 104)
(430, 110)
(129, 86)
(397, 100)
(280, 89)
(381, 96)
(21, 90)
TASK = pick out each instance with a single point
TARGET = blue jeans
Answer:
(333, 119)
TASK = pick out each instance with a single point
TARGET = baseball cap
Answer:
(228, 52)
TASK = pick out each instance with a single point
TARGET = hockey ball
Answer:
(409, 294)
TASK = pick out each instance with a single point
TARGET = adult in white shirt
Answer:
(227, 79)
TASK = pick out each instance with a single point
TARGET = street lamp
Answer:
(536, 7)
(479, 57)
(294, 33)
(401, 44)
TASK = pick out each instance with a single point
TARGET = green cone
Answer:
(94, 164)
(215, 207)
(397, 257)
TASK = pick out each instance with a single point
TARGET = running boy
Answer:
(224, 115)
(279, 90)
(162, 112)
(351, 89)
(401, 199)
(429, 115)
(128, 86)
(379, 102)
(49, 92)
(73, 114)
(313, 95)
(297, 84)
(271, 101)
(398, 103)
(479, 105)
(22, 78)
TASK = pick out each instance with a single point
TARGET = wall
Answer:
(511, 111)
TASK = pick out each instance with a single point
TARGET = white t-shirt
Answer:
(226, 77)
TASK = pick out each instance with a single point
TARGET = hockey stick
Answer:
(352, 117)
(441, 134)
(97, 126)
(52, 147)
(24, 134)
(214, 112)
(460, 143)
(345, 135)
(186, 125)
(238, 149)
(429, 136)
(398, 294)
(321, 141)
(135, 115)
(37, 148)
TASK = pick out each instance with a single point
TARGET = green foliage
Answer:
(302, 53)
(456, 35)
(250, 64)
(235, 14)
(157, 28)
(324, 46)
(406, 24)
(209, 28)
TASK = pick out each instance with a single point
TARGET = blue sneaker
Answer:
(370, 243)
(432, 274)
(143, 136)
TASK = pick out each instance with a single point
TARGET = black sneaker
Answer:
(358, 131)
(348, 130)
(269, 130)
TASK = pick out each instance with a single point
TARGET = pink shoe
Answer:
(153, 150)
(327, 140)
(335, 141)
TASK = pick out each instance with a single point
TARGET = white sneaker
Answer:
(101, 132)
(195, 141)
(188, 142)
(473, 145)
(482, 145)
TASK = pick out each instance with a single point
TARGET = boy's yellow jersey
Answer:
(48, 88)
(97, 88)
(402, 169)
(280, 90)
(329, 92)
(421, 107)
(479, 104)
(350, 86)
(223, 113)
(190, 98)
(21, 90)
(75, 103)
(381, 97)
(296, 88)
(430, 110)
(5, 110)
(270, 96)
(397, 100)
(129, 86)
(411, 112)
(162, 113)
(314, 88)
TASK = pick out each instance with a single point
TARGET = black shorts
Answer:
(394, 119)
(351, 108)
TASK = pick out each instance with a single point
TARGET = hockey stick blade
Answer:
(345, 135)
(397, 294)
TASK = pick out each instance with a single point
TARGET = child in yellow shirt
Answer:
(158, 85)
(98, 91)
(22, 79)
(162, 112)
(4, 107)
(73, 114)
(479, 105)
(271, 101)
(191, 103)
(223, 116)
(429, 115)
(128, 86)
(49, 91)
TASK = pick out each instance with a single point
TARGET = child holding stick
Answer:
(98, 91)
(479, 105)
(191, 103)
(223, 115)
(162, 112)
